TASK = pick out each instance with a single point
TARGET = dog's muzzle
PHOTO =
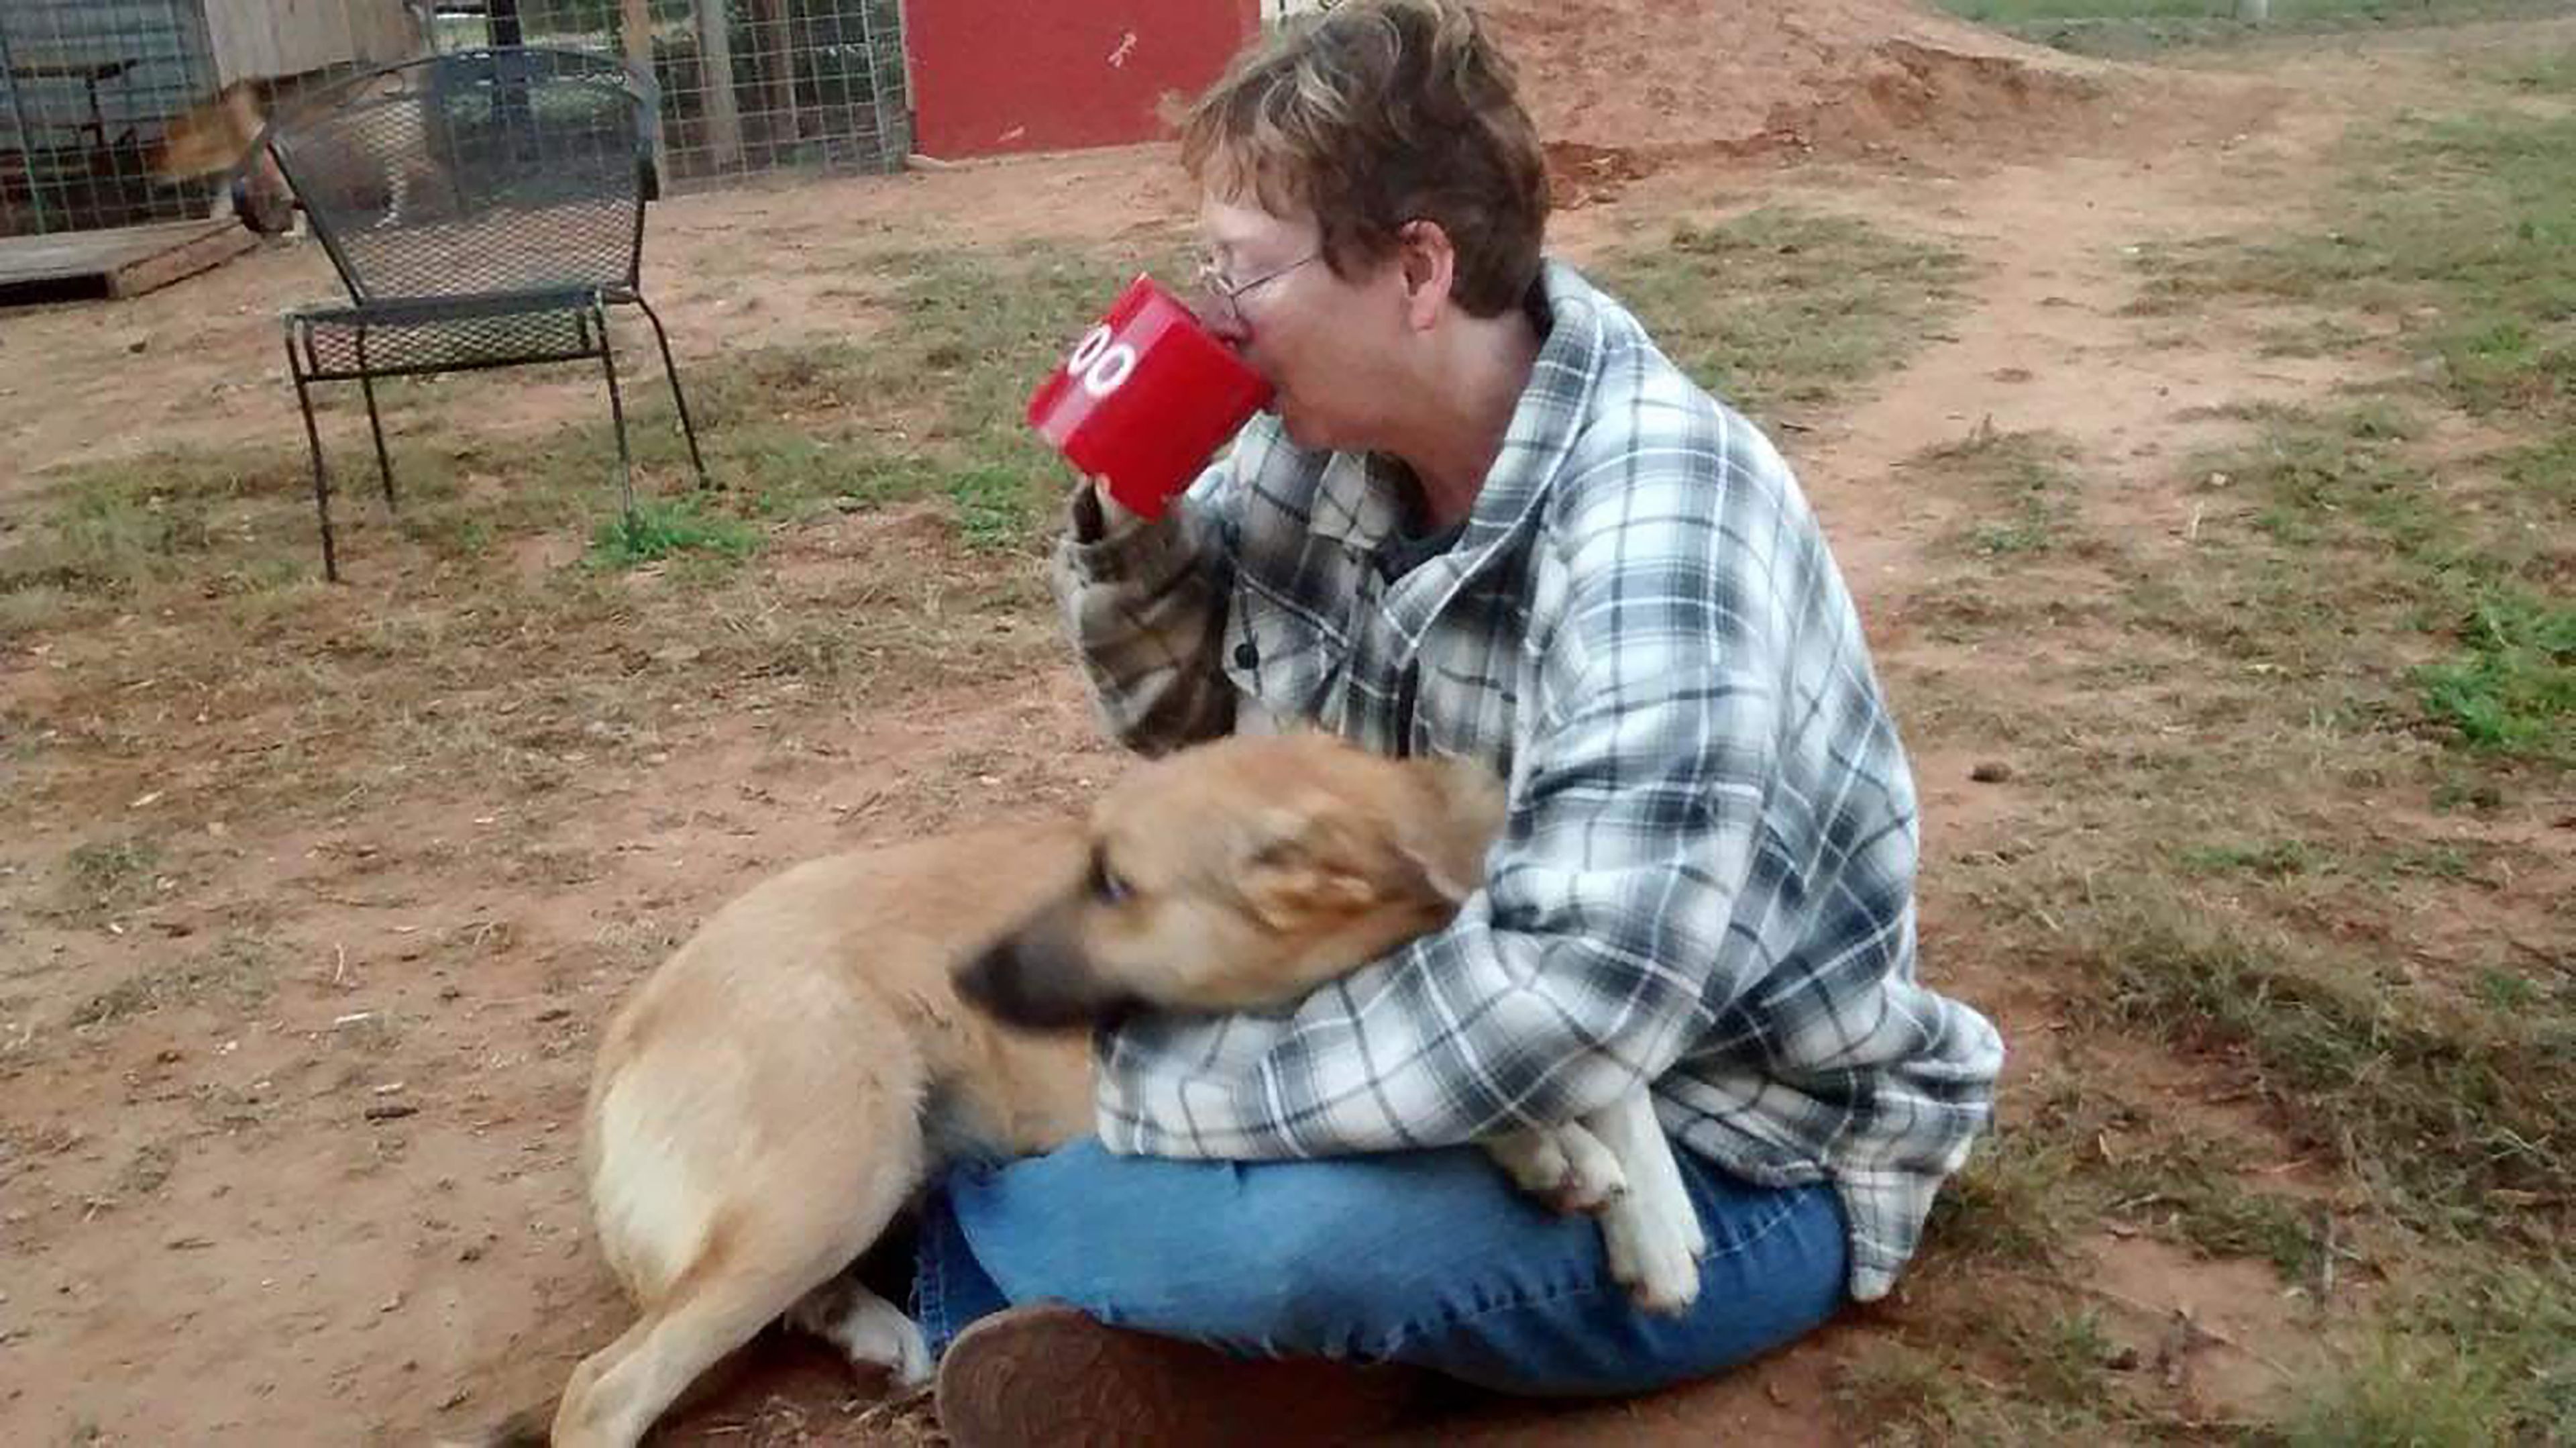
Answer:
(1018, 981)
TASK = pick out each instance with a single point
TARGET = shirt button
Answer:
(1245, 655)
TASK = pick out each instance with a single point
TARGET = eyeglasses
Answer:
(1225, 296)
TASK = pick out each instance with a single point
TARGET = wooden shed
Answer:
(274, 39)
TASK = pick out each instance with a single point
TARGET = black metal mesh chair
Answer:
(484, 209)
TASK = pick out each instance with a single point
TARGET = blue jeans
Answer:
(1430, 1258)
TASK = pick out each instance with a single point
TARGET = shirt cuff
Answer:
(1105, 543)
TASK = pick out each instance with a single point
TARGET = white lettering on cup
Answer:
(1088, 350)
(1110, 369)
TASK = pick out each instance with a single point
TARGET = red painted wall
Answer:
(990, 76)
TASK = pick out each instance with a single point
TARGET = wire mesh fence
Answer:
(119, 112)
(747, 85)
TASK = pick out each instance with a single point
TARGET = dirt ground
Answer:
(350, 1211)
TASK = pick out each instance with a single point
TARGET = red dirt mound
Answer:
(1658, 78)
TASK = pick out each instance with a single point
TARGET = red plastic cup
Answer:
(1145, 398)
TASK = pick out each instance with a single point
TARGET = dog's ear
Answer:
(1308, 860)
(1320, 857)
(1447, 834)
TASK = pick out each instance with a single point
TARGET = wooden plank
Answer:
(74, 252)
(203, 252)
(125, 262)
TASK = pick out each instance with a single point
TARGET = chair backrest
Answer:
(498, 170)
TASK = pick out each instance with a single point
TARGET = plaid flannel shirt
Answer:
(1706, 878)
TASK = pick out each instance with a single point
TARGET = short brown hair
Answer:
(1376, 113)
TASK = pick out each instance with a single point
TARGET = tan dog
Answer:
(216, 136)
(386, 167)
(779, 1090)
(213, 135)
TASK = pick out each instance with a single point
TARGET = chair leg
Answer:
(321, 479)
(375, 424)
(679, 399)
(617, 414)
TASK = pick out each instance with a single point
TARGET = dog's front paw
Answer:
(1564, 1166)
(1532, 1159)
(1656, 1257)
(1593, 1178)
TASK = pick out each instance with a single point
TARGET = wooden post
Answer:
(715, 76)
(2253, 12)
(635, 28)
(769, 21)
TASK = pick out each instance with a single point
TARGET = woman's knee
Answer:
(1264, 1258)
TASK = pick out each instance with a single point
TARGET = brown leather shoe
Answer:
(1045, 1376)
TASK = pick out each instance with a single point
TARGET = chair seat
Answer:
(395, 336)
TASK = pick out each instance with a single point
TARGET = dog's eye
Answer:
(1107, 886)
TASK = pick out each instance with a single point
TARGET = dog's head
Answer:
(211, 138)
(1240, 874)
